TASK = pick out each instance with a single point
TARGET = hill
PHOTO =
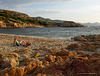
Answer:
(91, 24)
(12, 19)
(49, 20)
(61, 22)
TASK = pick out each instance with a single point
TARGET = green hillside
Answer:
(49, 20)
(12, 19)
(17, 17)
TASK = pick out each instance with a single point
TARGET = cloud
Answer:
(18, 3)
(46, 11)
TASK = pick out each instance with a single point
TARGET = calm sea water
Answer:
(53, 32)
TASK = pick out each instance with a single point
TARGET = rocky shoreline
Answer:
(13, 19)
(50, 57)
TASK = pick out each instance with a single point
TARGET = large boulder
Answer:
(80, 68)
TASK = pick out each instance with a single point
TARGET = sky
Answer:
(82, 11)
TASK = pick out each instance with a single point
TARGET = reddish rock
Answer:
(80, 53)
(26, 61)
(63, 53)
(80, 68)
(5, 64)
(12, 72)
(94, 61)
(89, 47)
(59, 59)
(65, 58)
(89, 43)
(29, 68)
(41, 74)
(80, 38)
(36, 54)
(86, 55)
(74, 46)
(50, 58)
(33, 68)
(96, 55)
(53, 67)
(67, 68)
(57, 73)
(46, 48)
(8, 62)
(46, 63)
(38, 69)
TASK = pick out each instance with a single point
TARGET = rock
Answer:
(46, 63)
(65, 58)
(57, 73)
(67, 68)
(80, 68)
(59, 59)
(14, 55)
(10, 60)
(66, 53)
(80, 38)
(92, 41)
(96, 55)
(10, 63)
(46, 48)
(50, 58)
(74, 46)
(32, 66)
(62, 53)
(24, 56)
(21, 51)
(54, 67)
(86, 55)
(24, 70)
(41, 74)
(82, 46)
(89, 48)
(1, 55)
(26, 61)
(36, 54)
(94, 61)
(71, 24)
(80, 53)
(39, 69)
(12, 72)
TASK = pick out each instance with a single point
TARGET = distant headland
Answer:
(12, 19)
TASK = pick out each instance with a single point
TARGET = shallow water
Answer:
(53, 32)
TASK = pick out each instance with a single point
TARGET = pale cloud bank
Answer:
(17, 3)
(74, 10)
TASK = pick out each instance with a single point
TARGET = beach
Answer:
(6, 43)
(50, 56)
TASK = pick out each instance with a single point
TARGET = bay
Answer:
(53, 32)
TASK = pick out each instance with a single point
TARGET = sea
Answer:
(53, 32)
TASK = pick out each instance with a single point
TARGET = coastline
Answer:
(60, 38)
(37, 42)
(48, 57)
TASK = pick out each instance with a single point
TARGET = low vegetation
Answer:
(12, 19)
